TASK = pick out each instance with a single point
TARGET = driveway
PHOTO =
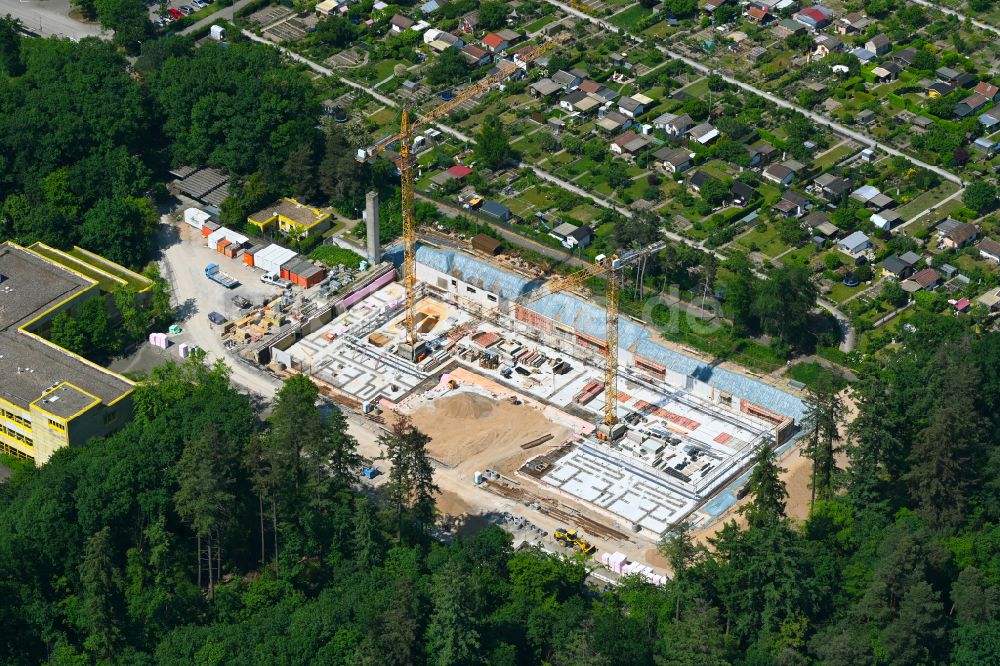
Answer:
(183, 260)
(48, 18)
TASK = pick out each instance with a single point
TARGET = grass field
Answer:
(764, 238)
(540, 23)
(927, 199)
(813, 375)
(630, 18)
(334, 255)
(833, 156)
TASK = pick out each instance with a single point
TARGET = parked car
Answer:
(175, 13)
(187, 9)
(200, 4)
(217, 318)
(276, 280)
(241, 303)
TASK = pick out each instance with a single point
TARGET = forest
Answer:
(200, 534)
(87, 138)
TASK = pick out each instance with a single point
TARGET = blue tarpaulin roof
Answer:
(587, 318)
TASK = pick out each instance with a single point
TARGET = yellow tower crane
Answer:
(405, 165)
(609, 269)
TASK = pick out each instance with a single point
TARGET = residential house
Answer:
(780, 174)
(947, 74)
(864, 55)
(599, 91)
(761, 153)
(620, 62)
(792, 204)
(759, 15)
(865, 117)
(612, 121)
(567, 80)
(885, 219)
(439, 40)
(679, 125)
(911, 258)
(960, 236)
(495, 43)
(893, 266)
(821, 226)
(986, 146)
(987, 90)
(698, 180)
(927, 279)
(991, 118)
(629, 144)
(673, 160)
(815, 18)
(970, 105)
(545, 88)
(879, 45)
(756, 54)
(830, 187)
(631, 107)
(572, 236)
(854, 245)
(904, 57)
(398, 23)
(883, 75)
(989, 249)
(785, 28)
(827, 44)
(578, 102)
(475, 56)
(742, 193)
(495, 210)
(852, 24)
(937, 89)
(922, 123)
(703, 133)
(430, 7)
(510, 36)
(991, 300)
(470, 22)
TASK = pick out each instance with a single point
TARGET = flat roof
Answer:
(31, 284)
(30, 365)
(66, 401)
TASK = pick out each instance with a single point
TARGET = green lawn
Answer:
(927, 199)
(814, 375)
(765, 239)
(630, 18)
(833, 156)
(334, 255)
(539, 24)
(841, 292)
(697, 89)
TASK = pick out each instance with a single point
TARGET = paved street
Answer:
(778, 101)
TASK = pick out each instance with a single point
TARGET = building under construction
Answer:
(688, 428)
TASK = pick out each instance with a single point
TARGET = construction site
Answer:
(538, 401)
(510, 384)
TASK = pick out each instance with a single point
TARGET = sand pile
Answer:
(469, 429)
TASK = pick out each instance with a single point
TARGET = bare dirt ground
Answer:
(471, 431)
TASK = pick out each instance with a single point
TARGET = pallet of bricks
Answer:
(589, 392)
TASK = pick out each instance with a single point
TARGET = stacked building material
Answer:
(620, 564)
(589, 392)
(159, 340)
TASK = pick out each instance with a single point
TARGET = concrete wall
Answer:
(465, 292)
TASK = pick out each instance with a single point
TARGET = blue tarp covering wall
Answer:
(587, 318)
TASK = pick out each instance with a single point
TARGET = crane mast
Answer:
(405, 163)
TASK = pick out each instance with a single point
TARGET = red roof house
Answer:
(459, 171)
